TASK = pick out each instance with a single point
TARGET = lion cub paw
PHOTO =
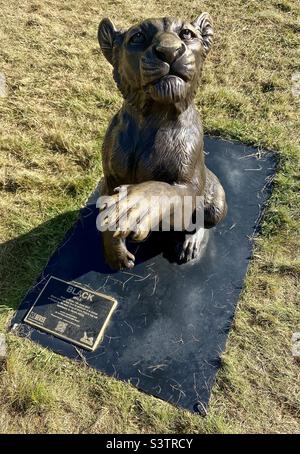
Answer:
(120, 260)
(191, 248)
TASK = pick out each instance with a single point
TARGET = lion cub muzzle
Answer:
(168, 47)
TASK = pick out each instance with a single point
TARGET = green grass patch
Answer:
(60, 97)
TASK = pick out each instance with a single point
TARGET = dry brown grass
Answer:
(60, 98)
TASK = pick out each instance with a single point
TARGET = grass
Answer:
(60, 97)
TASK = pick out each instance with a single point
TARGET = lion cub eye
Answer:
(138, 38)
(186, 34)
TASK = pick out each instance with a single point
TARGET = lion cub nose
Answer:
(168, 47)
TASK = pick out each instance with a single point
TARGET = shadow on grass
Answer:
(23, 258)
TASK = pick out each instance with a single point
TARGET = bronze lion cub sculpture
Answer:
(154, 144)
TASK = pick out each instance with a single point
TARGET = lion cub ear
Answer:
(106, 37)
(204, 24)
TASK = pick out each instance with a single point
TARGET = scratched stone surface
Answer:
(172, 321)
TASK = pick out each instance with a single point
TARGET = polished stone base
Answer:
(171, 322)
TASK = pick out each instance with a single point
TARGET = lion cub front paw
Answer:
(118, 257)
(124, 261)
(128, 212)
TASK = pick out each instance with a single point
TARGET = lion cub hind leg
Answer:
(215, 206)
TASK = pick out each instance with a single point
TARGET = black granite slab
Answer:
(171, 322)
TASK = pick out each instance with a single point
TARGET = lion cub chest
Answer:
(165, 152)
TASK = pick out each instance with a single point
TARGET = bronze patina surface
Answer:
(154, 144)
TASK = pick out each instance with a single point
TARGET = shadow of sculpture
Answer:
(23, 258)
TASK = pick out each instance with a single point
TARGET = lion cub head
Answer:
(158, 60)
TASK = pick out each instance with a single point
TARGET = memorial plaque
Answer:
(71, 312)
